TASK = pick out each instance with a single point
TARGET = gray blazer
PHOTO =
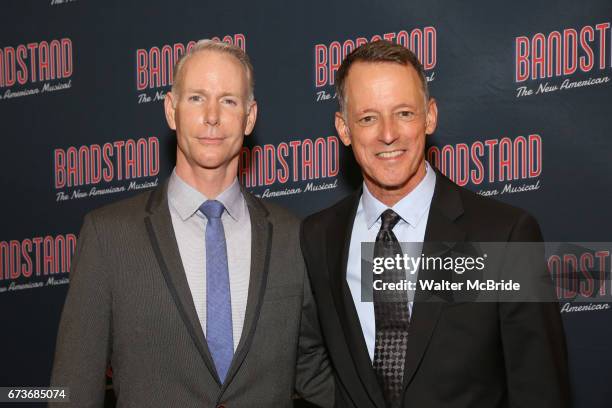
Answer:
(129, 303)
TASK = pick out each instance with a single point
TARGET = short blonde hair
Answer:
(217, 46)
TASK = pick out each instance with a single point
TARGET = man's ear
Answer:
(342, 129)
(170, 110)
(432, 116)
(251, 118)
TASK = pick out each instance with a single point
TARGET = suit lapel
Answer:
(261, 245)
(162, 238)
(161, 235)
(339, 239)
(446, 207)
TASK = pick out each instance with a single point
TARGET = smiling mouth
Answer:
(390, 155)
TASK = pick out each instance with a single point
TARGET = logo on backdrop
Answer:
(328, 57)
(289, 168)
(36, 262)
(563, 60)
(114, 167)
(495, 166)
(581, 273)
(36, 68)
(154, 66)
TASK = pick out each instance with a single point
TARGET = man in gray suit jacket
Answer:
(196, 292)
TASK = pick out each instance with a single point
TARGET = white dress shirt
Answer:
(190, 228)
(414, 212)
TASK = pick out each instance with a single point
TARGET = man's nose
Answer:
(211, 113)
(388, 133)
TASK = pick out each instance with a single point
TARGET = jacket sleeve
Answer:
(83, 342)
(534, 342)
(314, 375)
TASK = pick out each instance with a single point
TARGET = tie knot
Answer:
(389, 219)
(212, 209)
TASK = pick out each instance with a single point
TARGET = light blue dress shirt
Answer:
(190, 226)
(414, 211)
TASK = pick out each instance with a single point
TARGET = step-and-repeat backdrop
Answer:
(523, 90)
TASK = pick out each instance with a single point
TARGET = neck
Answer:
(209, 182)
(390, 196)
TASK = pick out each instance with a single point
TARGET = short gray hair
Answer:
(216, 46)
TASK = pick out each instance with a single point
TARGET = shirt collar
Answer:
(187, 200)
(411, 207)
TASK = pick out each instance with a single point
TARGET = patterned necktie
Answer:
(392, 316)
(219, 334)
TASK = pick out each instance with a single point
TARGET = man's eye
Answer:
(406, 114)
(230, 102)
(366, 120)
(195, 98)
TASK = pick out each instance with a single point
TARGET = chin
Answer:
(211, 166)
(208, 160)
(391, 184)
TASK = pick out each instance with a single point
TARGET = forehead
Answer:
(378, 81)
(212, 67)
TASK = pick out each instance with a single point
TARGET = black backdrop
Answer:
(523, 90)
